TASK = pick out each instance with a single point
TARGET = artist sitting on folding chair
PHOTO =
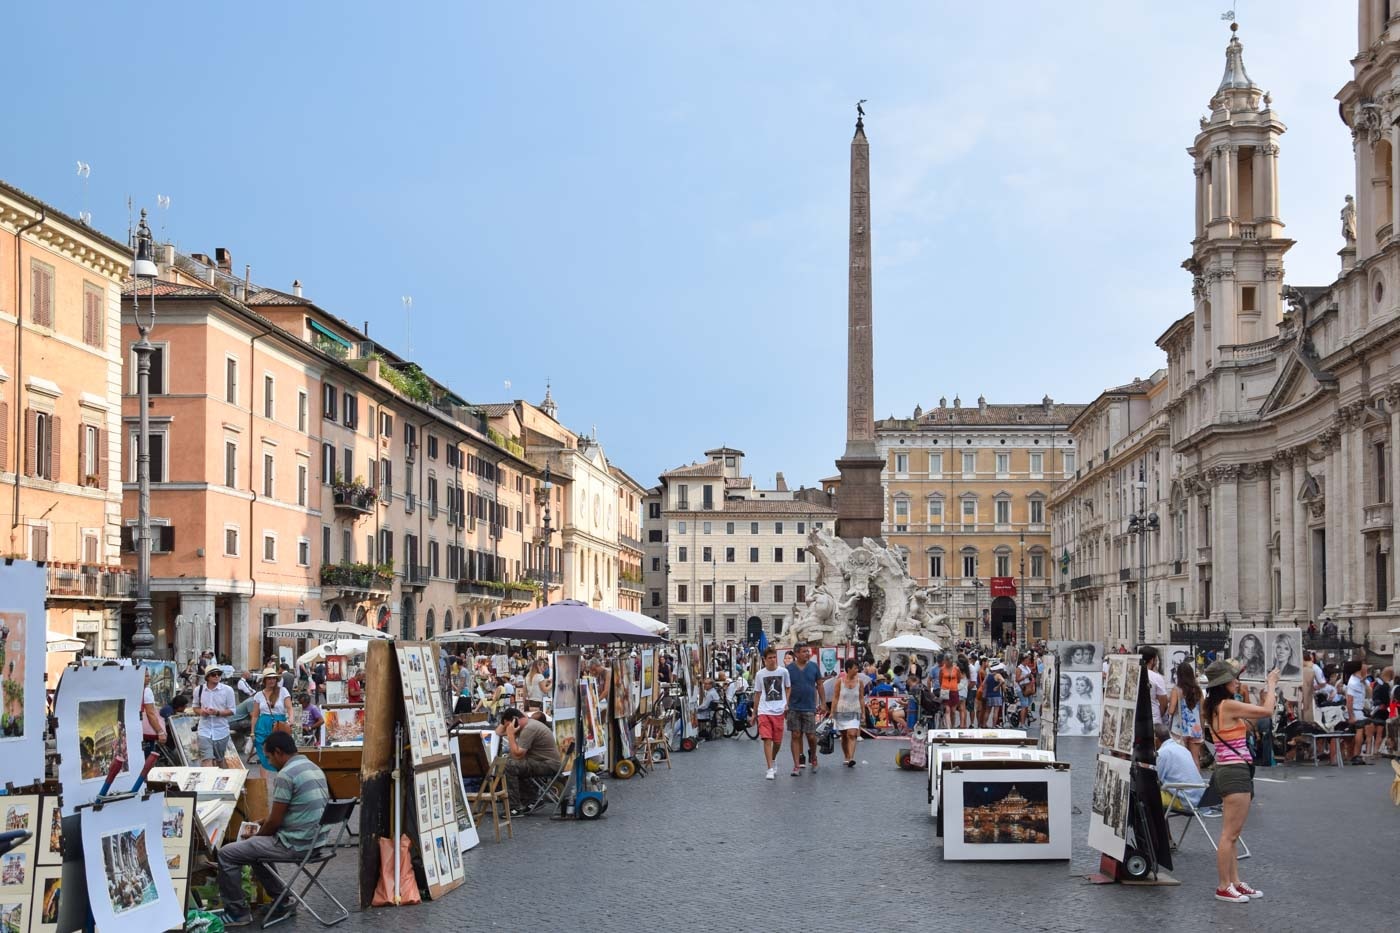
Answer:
(531, 751)
(299, 796)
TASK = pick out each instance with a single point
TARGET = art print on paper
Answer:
(97, 709)
(47, 887)
(1261, 650)
(23, 703)
(1080, 709)
(1001, 812)
(648, 671)
(565, 686)
(345, 726)
(829, 662)
(621, 695)
(129, 885)
(1078, 655)
(164, 680)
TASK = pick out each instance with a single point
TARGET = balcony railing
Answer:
(355, 498)
(88, 583)
(488, 588)
(358, 578)
(1376, 517)
(552, 577)
(1125, 573)
(419, 574)
(683, 505)
(631, 586)
(1078, 583)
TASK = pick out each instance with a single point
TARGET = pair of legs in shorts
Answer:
(770, 733)
(800, 723)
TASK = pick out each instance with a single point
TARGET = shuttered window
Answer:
(42, 447)
(92, 456)
(92, 315)
(41, 293)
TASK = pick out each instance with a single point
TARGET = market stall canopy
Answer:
(59, 642)
(911, 643)
(350, 647)
(322, 629)
(568, 623)
(465, 634)
(642, 622)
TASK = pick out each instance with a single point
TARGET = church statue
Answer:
(1349, 221)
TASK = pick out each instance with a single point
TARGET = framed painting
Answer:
(1006, 813)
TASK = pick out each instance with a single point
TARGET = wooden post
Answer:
(380, 758)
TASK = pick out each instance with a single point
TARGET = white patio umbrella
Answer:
(321, 629)
(58, 642)
(350, 647)
(911, 643)
(641, 621)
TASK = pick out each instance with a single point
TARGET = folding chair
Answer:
(551, 790)
(319, 854)
(493, 798)
(1180, 806)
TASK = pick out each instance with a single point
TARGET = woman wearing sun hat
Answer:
(272, 704)
(1229, 720)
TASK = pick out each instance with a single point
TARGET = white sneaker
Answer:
(771, 774)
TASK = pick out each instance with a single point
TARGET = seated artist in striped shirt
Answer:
(299, 796)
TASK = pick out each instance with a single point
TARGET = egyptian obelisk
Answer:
(860, 501)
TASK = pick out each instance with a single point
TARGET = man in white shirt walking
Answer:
(215, 703)
(770, 694)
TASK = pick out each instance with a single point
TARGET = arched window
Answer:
(447, 620)
(1003, 561)
(337, 614)
(428, 624)
(935, 563)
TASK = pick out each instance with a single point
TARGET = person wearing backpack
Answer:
(318, 677)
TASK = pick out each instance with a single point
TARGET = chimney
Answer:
(981, 403)
(201, 258)
(781, 482)
(296, 287)
(209, 273)
(225, 260)
(1046, 402)
(167, 255)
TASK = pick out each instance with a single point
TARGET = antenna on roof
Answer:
(408, 321)
(84, 170)
(507, 386)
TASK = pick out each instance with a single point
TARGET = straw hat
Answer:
(270, 672)
(1221, 672)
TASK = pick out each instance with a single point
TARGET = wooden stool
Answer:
(493, 794)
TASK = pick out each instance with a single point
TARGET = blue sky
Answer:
(646, 203)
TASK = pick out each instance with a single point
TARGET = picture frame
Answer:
(345, 726)
(129, 885)
(49, 843)
(1083, 707)
(1108, 815)
(1007, 813)
(43, 911)
(1262, 650)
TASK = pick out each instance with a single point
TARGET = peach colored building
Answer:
(630, 549)
(306, 472)
(60, 404)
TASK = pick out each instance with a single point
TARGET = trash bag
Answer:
(202, 921)
(826, 736)
(408, 882)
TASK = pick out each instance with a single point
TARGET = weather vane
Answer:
(1229, 15)
(860, 111)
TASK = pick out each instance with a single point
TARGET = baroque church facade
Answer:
(1282, 402)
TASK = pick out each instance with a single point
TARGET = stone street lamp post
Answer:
(143, 271)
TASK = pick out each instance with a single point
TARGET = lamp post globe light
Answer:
(143, 271)
(1140, 523)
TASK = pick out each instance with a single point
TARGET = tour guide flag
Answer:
(762, 642)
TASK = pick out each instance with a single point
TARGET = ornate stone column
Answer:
(1225, 548)
(1302, 569)
(1262, 530)
(1392, 398)
(1331, 524)
(1352, 482)
(1287, 596)
(1232, 172)
(1258, 163)
(1201, 218)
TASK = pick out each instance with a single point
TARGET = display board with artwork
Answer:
(1000, 811)
(23, 703)
(98, 711)
(437, 821)
(424, 715)
(205, 782)
(1120, 702)
(177, 836)
(1258, 651)
(944, 755)
(1108, 810)
(129, 885)
(1049, 702)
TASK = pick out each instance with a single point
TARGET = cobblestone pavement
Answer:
(711, 845)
